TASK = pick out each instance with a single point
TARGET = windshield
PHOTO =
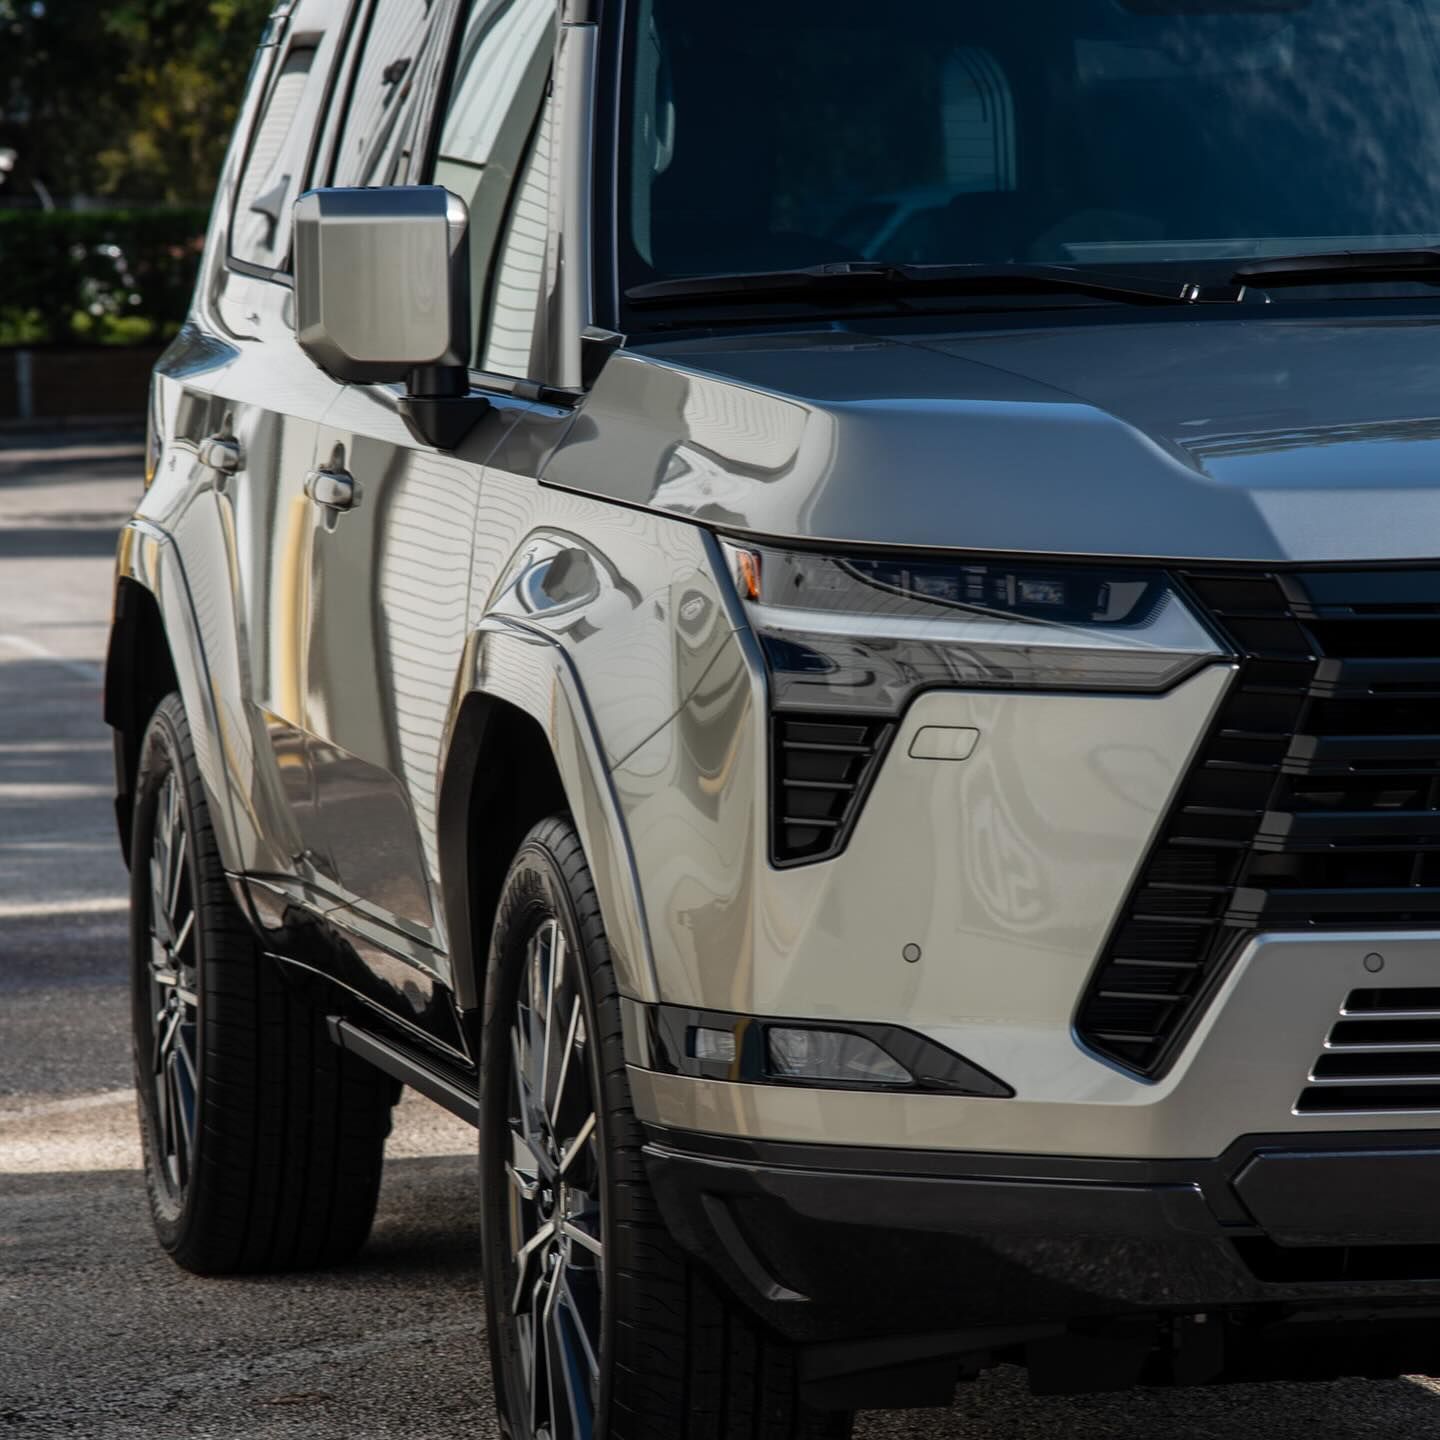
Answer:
(775, 134)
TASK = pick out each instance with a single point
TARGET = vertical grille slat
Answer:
(1314, 801)
(822, 768)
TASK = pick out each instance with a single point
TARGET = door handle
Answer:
(332, 489)
(222, 453)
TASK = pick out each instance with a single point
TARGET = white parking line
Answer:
(57, 791)
(45, 910)
(68, 1107)
(85, 668)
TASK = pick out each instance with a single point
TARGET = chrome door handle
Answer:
(222, 453)
(334, 489)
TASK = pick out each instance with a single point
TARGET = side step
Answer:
(452, 1091)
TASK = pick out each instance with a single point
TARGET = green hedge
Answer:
(107, 277)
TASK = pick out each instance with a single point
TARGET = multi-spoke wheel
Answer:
(557, 1289)
(263, 1142)
(174, 993)
(599, 1326)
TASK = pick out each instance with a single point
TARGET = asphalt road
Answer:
(101, 1338)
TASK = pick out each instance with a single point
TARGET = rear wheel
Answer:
(599, 1325)
(263, 1142)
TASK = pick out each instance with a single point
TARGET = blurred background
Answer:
(114, 119)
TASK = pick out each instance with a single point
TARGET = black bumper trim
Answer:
(829, 1244)
(959, 1205)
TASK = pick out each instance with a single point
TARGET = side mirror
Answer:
(382, 295)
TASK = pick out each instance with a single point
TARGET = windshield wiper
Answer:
(1346, 267)
(868, 279)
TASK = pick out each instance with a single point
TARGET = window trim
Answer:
(347, 66)
(428, 154)
(610, 101)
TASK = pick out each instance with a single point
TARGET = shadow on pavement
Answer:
(392, 1345)
(69, 457)
(50, 542)
(118, 1341)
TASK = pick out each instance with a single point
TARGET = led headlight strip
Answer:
(864, 634)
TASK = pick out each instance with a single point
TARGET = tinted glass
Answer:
(494, 153)
(765, 135)
(509, 327)
(371, 142)
(296, 76)
(279, 149)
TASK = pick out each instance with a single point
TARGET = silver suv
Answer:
(824, 617)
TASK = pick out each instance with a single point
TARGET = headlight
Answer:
(864, 634)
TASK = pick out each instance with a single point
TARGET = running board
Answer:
(445, 1090)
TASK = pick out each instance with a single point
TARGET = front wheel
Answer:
(599, 1325)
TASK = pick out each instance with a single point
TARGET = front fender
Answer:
(529, 671)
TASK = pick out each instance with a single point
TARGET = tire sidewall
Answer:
(535, 890)
(162, 754)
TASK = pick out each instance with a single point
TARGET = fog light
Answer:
(716, 1046)
(831, 1057)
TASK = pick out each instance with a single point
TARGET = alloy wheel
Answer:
(174, 993)
(554, 1188)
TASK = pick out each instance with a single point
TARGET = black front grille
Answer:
(1382, 1054)
(822, 769)
(1314, 801)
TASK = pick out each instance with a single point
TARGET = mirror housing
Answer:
(382, 281)
(382, 296)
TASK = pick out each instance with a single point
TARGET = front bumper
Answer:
(955, 1254)
(1243, 1071)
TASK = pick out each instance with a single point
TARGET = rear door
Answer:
(390, 603)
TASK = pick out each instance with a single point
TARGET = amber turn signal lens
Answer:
(747, 573)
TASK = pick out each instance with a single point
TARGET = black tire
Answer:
(263, 1141)
(678, 1359)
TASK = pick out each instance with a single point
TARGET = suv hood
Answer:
(1266, 440)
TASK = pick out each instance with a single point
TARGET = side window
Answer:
(494, 152)
(508, 323)
(372, 142)
(281, 140)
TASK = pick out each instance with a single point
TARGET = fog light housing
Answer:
(830, 1057)
(822, 1054)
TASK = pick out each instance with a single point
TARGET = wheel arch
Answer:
(521, 747)
(139, 674)
(155, 648)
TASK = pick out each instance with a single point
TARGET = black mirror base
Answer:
(442, 420)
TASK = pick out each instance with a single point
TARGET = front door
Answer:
(390, 601)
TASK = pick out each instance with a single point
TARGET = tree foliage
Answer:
(126, 98)
(96, 276)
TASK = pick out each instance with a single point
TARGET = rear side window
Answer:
(372, 145)
(280, 144)
(494, 153)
